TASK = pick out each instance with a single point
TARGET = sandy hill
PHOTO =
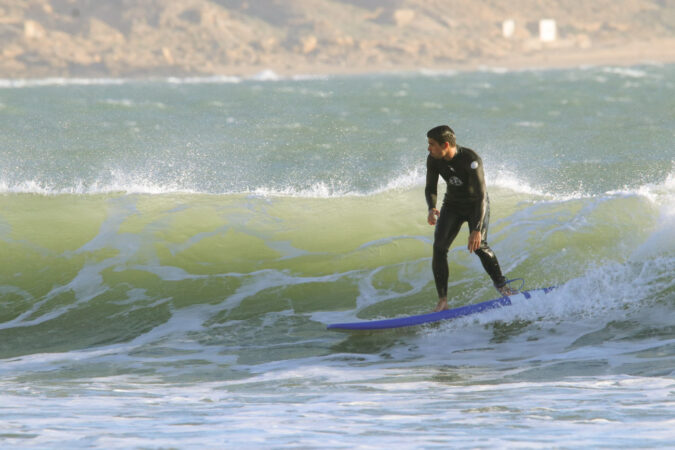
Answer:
(41, 38)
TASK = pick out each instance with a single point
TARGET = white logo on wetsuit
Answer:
(455, 181)
(474, 165)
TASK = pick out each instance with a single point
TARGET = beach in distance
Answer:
(143, 38)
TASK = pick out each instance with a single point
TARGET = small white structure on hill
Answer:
(508, 28)
(548, 30)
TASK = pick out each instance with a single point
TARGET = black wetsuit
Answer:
(466, 200)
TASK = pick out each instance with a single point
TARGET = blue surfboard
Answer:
(454, 313)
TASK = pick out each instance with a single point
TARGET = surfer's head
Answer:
(441, 142)
(442, 134)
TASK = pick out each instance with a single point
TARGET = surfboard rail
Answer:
(447, 314)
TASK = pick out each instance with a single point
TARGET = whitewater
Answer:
(171, 251)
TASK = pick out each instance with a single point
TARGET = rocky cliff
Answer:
(40, 38)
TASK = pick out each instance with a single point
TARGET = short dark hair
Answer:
(442, 134)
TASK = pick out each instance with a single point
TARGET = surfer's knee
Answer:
(441, 248)
(441, 242)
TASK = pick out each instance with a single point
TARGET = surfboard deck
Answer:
(447, 314)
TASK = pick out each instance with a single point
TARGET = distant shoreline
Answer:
(242, 38)
(634, 54)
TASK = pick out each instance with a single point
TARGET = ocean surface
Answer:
(171, 251)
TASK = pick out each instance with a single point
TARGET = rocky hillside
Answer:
(41, 38)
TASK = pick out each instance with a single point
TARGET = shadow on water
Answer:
(503, 331)
(373, 341)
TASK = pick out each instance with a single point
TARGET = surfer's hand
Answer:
(474, 241)
(433, 213)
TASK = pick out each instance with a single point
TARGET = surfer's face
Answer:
(437, 150)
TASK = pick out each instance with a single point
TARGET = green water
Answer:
(172, 252)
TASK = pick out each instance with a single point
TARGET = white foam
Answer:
(119, 102)
(42, 82)
(340, 406)
(318, 190)
(662, 240)
(506, 179)
(662, 193)
(311, 77)
(495, 69)
(626, 72)
(128, 103)
(47, 82)
(266, 75)
(215, 79)
(412, 178)
(118, 182)
(121, 181)
(529, 124)
(438, 73)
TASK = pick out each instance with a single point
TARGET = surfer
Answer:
(466, 200)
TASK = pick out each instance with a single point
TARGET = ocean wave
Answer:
(51, 82)
(43, 82)
(438, 73)
(215, 79)
(128, 103)
(96, 188)
(265, 75)
(627, 72)
(406, 181)
(662, 193)
(188, 266)
(119, 181)
(269, 75)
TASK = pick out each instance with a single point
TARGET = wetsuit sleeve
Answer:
(431, 189)
(478, 188)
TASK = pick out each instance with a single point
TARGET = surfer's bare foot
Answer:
(506, 290)
(442, 304)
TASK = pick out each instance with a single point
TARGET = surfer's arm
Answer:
(478, 188)
(431, 192)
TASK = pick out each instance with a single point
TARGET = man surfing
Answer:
(466, 200)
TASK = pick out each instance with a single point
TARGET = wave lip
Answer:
(119, 181)
(81, 188)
